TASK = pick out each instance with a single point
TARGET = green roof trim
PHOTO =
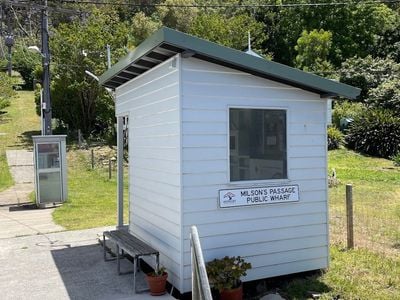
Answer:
(232, 58)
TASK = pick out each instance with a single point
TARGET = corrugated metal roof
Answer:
(167, 42)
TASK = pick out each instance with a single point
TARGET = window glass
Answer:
(48, 156)
(257, 144)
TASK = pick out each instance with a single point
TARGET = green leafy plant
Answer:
(158, 273)
(396, 159)
(346, 109)
(335, 138)
(225, 273)
(6, 90)
(386, 96)
(377, 133)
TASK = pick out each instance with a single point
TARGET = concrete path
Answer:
(17, 216)
(20, 163)
(63, 265)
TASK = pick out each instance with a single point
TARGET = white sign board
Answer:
(258, 195)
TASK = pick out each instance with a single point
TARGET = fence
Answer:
(370, 219)
(101, 159)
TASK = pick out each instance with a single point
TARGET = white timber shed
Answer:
(229, 142)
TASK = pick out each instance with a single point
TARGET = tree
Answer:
(142, 27)
(313, 50)
(368, 73)
(6, 90)
(386, 96)
(179, 18)
(355, 27)
(77, 99)
(229, 31)
(26, 62)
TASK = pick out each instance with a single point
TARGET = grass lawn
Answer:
(372, 270)
(376, 196)
(91, 195)
(356, 274)
(17, 124)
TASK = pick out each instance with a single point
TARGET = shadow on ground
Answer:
(23, 206)
(25, 139)
(86, 276)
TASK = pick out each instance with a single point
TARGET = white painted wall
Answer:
(277, 239)
(152, 103)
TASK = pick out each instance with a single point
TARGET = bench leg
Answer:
(105, 251)
(135, 259)
(104, 247)
(118, 261)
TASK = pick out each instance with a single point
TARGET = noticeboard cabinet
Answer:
(50, 169)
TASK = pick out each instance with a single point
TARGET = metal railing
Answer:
(200, 286)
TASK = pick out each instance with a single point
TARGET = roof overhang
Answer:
(167, 42)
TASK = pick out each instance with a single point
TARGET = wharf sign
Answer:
(258, 196)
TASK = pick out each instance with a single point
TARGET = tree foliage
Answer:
(26, 63)
(142, 27)
(313, 49)
(386, 96)
(368, 73)
(231, 32)
(77, 100)
(179, 18)
(6, 90)
(355, 28)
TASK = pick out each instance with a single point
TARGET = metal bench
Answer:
(130, 244)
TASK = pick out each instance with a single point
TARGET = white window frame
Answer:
(261, 181)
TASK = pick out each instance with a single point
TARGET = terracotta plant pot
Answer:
(233, 294)
(157, 284)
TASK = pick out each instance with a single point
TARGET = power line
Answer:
(283, 5)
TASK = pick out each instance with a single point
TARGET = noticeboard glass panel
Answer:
(48, 156)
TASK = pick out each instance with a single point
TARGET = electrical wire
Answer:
(283, 5)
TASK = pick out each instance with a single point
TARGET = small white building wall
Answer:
(277, 239)
(152, 103)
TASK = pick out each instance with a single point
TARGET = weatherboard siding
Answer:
(152, 103)
(279, 238)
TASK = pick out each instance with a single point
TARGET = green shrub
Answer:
(6, 90)
(335, 138)
(396, 159)
(386, 96)
(346, 109)
(376, 132)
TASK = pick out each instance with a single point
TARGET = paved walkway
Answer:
(63, 265)
(17, 216)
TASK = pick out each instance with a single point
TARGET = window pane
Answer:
(257, 144)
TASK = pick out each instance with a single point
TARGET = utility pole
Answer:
(46, 71)
(9, 42)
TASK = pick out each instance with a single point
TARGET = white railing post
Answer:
(200, 286)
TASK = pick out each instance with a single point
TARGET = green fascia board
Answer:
(229, 56)
(146, 46)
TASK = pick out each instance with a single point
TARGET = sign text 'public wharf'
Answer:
(258, 195)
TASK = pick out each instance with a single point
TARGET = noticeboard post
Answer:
(50, 169)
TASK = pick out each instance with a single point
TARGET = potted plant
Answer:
(224, 275)
(157, 281)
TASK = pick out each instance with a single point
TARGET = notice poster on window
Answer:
(258, 196)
